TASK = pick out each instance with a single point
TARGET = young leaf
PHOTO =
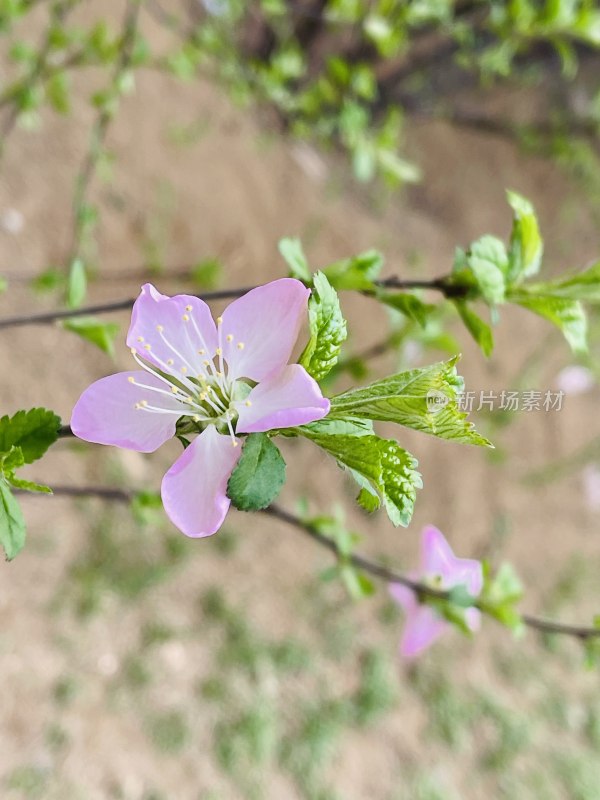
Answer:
(407, 304)
(292, 252)
(327, 329)
(478, 328)
(259, 475)
(425, 399)
(488, 260)
(32, 431)
(526, 246)
(356, 273)
(378, 466)
(579, 286)
(567, 315)
(77, 285)
(12, 524)
(102, 334)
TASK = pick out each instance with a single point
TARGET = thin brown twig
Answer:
(47, 317)
(359, 561)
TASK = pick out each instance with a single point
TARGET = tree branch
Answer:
(46, 317)
(361, 562)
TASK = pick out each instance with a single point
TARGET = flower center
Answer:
(203, 392)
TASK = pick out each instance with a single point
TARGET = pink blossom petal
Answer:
(193, 490)
(264, 325)
(439, 559)
(172, 329)
(421, 630)
(289, 398)
(106, 413)
(422, 624)
(574, 380)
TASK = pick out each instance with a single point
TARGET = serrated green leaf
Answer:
(293, 254)
(526, 245)
(425, 399)
(32, 431)
(567, 315)
(335, 427)
(12, 524)
(478, 328)
(258, 476)
(407, 304)
(327, 329)
(378, 466)
(356, 273)
(101, 334)
(28, 486)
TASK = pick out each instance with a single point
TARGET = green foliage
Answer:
(258, 476)
(77, 284)
(425, 399)
(12, 524)
(293, 254)
(101, 334)
(380, 467)
(500, 596)
(356, 273)
(33, 432)
(327, 329)
(526, 245)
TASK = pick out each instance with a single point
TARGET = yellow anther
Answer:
(219, 374)
(137, 406)
(159, 328)
(218, 351)
(183, 369)
(189, 308)
(143, 402)
(203, 396)
(219, 320)
(248, 403)
(131, 379)
(229, 337)
(133, 350)
(201, 352)
(140, 338)
(147, 347)
(170, 362)
(234, 443)
(174, 389)
(196, 419)
(240, 345)
(185, 318)
(206, 362)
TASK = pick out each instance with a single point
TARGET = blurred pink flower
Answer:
(441, 569)
(575, 380)
(591, 486)
(223, 379)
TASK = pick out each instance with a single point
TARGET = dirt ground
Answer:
(109, 642)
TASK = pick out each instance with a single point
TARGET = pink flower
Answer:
(218, 380)
(440, 569)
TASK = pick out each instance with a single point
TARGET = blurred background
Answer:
(178, 142)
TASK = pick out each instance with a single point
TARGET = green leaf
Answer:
(500, 595)
(407, 304)
(102, 334)
(206, 274)
(32, 431)
(28, 486)
(57, 89)
(425, 399)
(567, 315)
(356, 273)
(478, 328)
(12, 524)
(334, 427)
(258, 476)
(526, 245)
(488, 261)
(77, 286)
(327, 329)
(379, 466)
(583, 286)
(292, 252)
